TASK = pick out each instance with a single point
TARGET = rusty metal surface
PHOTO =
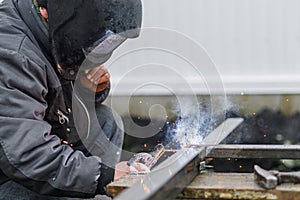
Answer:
(115, 188)
(255, 151)
(235, 186)
(169, 178)
(220, 186)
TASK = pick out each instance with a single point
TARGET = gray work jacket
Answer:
(33, 103)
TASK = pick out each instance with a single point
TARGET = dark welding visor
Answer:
(101, 50)
(84, 33)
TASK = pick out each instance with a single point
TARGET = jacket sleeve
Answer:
(101, 96)
(29, 154)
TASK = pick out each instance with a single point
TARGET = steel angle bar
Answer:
(221, 132)
(255, 151)
(169, 178)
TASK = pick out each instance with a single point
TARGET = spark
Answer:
(146, 189)
(65, 142)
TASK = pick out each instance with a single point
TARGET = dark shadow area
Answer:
(265, 127)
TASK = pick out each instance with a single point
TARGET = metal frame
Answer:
(168, 179)
(254, 151)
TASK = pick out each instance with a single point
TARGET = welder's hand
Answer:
(96, 79)
(122, 169)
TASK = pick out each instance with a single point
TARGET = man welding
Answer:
(50, 144)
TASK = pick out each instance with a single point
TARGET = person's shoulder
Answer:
(11, 26)
(11, 37)
(33, 52)
(15, 40)
(20, 48)
(21, 51)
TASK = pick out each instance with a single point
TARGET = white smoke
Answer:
(195, 122)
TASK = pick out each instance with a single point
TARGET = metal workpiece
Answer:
(215, 185)
(250, 151)
(169, 178)
(148, 159)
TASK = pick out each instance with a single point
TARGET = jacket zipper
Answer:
(62, 118)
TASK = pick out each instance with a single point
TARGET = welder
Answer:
(55, 142)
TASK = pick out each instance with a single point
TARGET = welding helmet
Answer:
(89, 31)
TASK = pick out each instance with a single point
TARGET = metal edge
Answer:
(250, 151)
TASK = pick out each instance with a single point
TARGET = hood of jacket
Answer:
(29, 14)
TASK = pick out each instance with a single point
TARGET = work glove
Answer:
(106, 176)
(122, 168)
(95, 79)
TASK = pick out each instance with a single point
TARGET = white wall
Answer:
(255, 45)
